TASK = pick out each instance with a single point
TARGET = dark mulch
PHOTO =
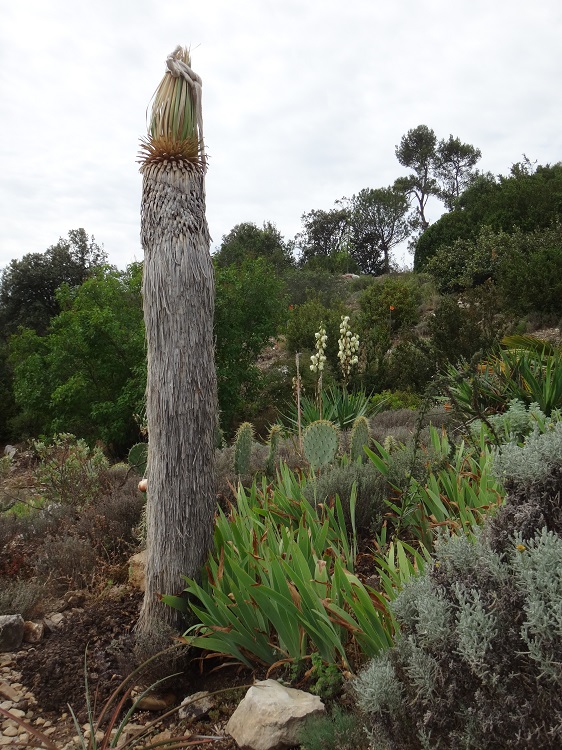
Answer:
(54, 669)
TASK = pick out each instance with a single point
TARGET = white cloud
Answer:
(303, 102)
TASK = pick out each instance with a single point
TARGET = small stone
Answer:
(156, 702)
(10, 732)
(39, 721)
(47, 723)
(18, 713)
(64, 716)
(32, 631)
(23, 738)
(6, 705)
(49, 731)
(11, 632)
(161, 736)
(53, 620)
(137, 567)
(74, 599)
(5, 741)
(196, 705)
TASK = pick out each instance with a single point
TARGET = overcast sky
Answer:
(303, 102)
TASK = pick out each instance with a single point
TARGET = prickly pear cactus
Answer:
(275, 434)
(360, 435)
(138, 457)
(243, 448)
(320, 442)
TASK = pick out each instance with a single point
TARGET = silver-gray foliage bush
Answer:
(478, 664)
(531, 461)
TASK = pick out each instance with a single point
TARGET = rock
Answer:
(271, 716)
(32, 631)
(74, 599)
(10, 450)
(53, 620)
(154, 701)
(137, 567)
(196, 705)
(11, 632)
(7, 691)
(10, 732)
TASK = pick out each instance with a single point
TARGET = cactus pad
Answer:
(360, 436)
(320, 442)
(138, 457)
(243, 448)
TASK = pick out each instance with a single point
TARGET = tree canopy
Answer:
(324, 236)
(380, 220)
(247, 241)
(249, 308)
(28, 286)
(417, 152)
(526, 199)
(87, 374)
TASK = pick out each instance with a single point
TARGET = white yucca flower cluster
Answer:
(348, 347)
(317, 360)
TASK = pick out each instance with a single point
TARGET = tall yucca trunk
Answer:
(178, 296)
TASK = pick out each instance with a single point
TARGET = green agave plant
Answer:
(338, 406)
(527, 369)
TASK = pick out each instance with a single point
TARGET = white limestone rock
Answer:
(271, 716)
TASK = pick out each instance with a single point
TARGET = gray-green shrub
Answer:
(339, 480)
(478, 664)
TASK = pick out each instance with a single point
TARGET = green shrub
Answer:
(338, 731)
(393, 400)
(19, 597)
(455, 330)
(69, 472)
(387, 307)
(68, 559)
(342, 480)
(305, 284)
(410, 365)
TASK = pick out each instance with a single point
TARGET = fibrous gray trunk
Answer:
(178, 298)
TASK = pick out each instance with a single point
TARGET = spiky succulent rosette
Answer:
(175, 129)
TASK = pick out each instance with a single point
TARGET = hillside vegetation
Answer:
(388, 528)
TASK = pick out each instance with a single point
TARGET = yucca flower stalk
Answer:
(317, 362)
(178, 297)
(348, 346)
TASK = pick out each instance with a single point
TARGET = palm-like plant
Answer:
(178, 296)
(525, 368)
